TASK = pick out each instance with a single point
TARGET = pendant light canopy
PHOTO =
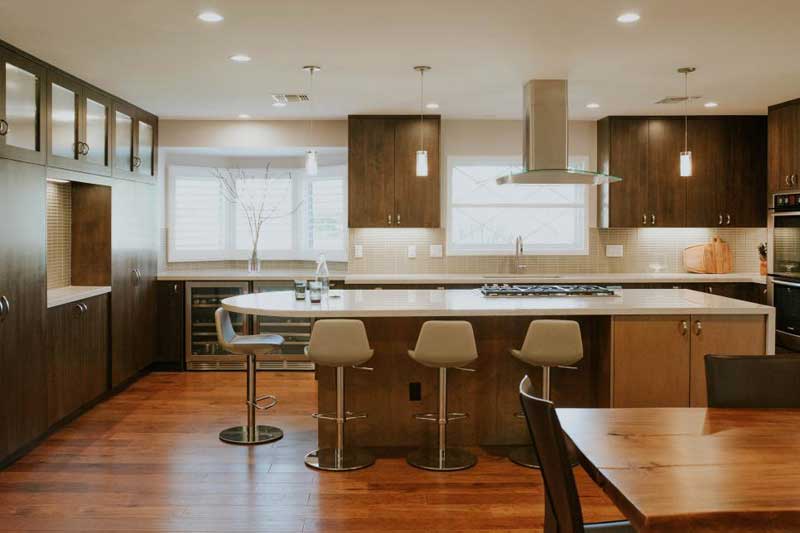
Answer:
(686, 155)
(422, 154)
(311, 155)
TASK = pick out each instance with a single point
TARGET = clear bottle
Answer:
(323, 276)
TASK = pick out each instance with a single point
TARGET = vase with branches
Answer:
(261, 197)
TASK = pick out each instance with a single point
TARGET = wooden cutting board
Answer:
(710, 258)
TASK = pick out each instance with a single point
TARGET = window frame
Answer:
(229, 252)
(453, 249)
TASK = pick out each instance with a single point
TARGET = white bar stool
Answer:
(548, 343)
(251, 346)
(339, 343)
(444, 344)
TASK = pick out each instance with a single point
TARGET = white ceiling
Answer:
(156, 54)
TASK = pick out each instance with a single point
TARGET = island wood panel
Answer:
(23, 373)
(416, 199)
(370, 169)
(651, 361)
(489, 395)
(722, 335)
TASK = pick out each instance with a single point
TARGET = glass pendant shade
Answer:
(686, 164)
(422, 163)
(311, 163)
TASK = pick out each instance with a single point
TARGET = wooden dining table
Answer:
(693, 469)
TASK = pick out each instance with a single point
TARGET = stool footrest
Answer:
(257, 402)
(332, 416)
(434, 417)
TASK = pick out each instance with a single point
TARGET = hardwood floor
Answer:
(149, 459)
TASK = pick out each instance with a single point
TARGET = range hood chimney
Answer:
(545, 140)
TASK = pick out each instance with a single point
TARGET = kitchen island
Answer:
(642, 348)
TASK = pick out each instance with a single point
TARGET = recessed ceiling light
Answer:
(710, 104)
(244, 115)
(278, 104)
(432, 105)
(240, 58)
(628, 18)
(210, 16)
(592, 105)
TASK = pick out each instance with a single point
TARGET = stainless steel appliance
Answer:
(545, 290)
(783, 282)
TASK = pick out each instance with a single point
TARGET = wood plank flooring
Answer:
(149, 459)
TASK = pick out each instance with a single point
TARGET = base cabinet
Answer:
(170, 311)
(658, 361)
(77, 356)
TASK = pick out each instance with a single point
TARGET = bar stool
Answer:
(548, 343)
(444, 344)
(251, 346)
(339, 343)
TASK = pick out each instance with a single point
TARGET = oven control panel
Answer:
(786, 201)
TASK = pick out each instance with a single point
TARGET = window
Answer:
(484, 218)
(307, 215)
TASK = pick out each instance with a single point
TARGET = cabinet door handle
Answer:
(698, 327)
(85, 150)
(786, 179)
(720, 219)
(175, 289)
(137, 276)
(137, 161)
(794, 179)
(644, 219)
(5, 308)
(3, 127)
(728, 220)
(397, 221)
(389, 218)
(684, 327)
(653, 219)
(80, 309)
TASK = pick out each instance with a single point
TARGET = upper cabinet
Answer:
(383, 188)
(134, 140)
(784, 147)
(728, 182)
(22, 108)
(79, 126)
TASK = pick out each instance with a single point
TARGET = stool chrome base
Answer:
(524, 456)
(242, 435)
(441, 460)
(339, 460)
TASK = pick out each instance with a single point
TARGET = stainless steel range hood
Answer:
(544, 140)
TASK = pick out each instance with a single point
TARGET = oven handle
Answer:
(786, 283)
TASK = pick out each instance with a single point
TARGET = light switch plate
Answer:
(412, 251)
(358, 251)
(435, 250)
(614, 250)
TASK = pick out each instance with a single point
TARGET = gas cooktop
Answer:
(545, 290)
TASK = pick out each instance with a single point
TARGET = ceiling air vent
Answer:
(677, 99)
(290, 98)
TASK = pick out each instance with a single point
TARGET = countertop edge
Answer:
(73, 293)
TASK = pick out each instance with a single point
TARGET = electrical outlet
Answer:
(412, 251)
(415, 392)
(614, 250)
(358, 251)
(435, 250)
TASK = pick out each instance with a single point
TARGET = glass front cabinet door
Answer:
(145, 161)
(135, 138)
(22, 107)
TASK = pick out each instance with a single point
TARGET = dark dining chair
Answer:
(559, 481)
(755, 381)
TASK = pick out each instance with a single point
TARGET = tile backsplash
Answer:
(385, 251)
(59, 234)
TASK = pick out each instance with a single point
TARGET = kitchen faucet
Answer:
(518, 251)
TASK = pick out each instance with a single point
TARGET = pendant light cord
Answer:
(685, 111)
(311, 99)
(421, 112)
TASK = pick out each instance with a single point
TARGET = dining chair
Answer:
(559, 481)
(765, 381)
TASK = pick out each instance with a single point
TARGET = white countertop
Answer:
(72, 293)
(401, 279)
(470, 302)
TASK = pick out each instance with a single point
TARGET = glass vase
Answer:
(254, 263)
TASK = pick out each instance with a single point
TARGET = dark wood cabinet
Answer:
(383, 188)
(727, 185)
(135, 140)
(170, 297)
(784, 147)
(22, 108)
(23, 405)
(77, 356)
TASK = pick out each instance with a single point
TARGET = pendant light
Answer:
(686, 155)
(311, 154)
(422, 154)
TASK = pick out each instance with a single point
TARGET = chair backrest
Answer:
(446, 341)
(225, 332)
(766, 381)
(552, 343)
(339, 342)
(548, 442)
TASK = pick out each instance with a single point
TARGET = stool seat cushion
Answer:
(551, 343)
(256, 344)
(339, 342)
(445, 344)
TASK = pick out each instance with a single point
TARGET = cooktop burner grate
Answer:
(545, 290)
